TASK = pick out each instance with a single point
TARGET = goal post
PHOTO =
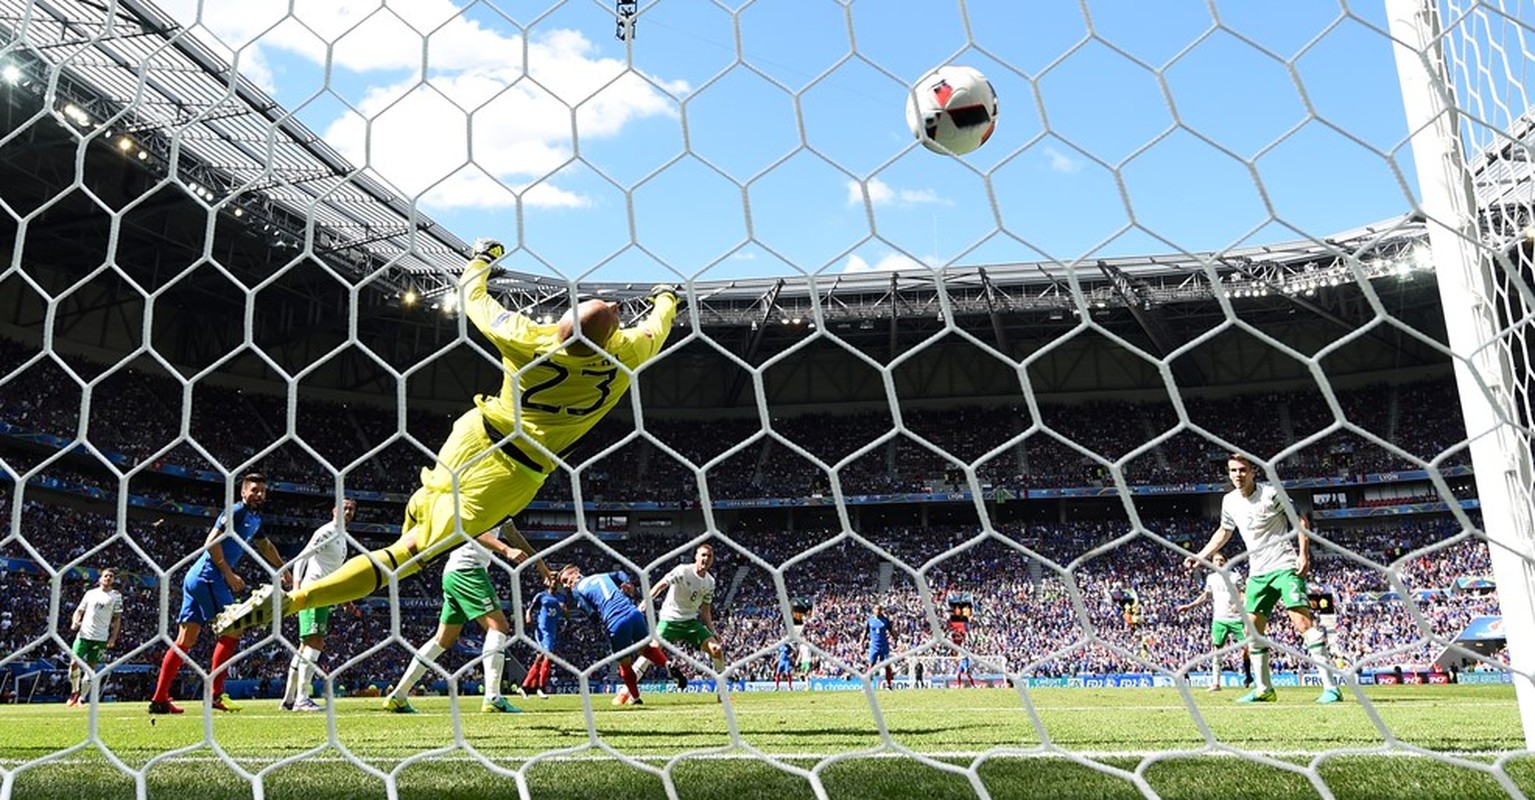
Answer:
(1471, 278)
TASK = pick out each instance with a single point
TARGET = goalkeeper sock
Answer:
(359, 577)
(1316, 645)
(426, 656)
(223, 650)
(495, 664)
(1260, 658)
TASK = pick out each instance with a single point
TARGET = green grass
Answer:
(1101, 743)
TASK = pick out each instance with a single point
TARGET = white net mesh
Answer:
(993, 395)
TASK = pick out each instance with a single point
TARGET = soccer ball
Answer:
(952, 110)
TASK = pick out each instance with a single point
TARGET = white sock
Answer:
(1316, 645)
(495, 664)
(75, 675)
(719, 664)
(308, 658)
(1260, 658)
(293, 672)
(426, 655)
(641, 664)
(1215, 670)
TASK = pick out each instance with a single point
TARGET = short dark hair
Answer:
(253, 476)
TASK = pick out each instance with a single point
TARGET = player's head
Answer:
(703, 557)
(107, 578)
(1219, 559)
(1242, 472)
(599, 321)
(347, 510)
(569, 575)
(253, 490)
(879, 610)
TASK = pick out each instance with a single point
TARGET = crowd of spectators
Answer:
(1047, 600)
(309, 441)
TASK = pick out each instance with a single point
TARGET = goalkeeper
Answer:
(560, 379)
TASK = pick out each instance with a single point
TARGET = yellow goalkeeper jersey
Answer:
(560, 398)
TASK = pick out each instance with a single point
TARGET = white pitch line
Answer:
(817, 757)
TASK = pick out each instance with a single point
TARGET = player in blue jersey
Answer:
(544, 614)
(609, 598)
(210, 585)
(878, 636)
(785, 668)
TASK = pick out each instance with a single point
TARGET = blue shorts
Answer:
(545, 640)
(629, 631)
(878, 654)
(784, 668)
(203, 598)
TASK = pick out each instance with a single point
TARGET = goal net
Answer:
(954, 428)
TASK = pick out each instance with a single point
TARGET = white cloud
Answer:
(1062, 162)
(414, 132)
(890, 262)
(883, 194)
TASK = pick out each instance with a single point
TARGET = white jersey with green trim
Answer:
(323, 555)
(1223, 596)
(469, 556)
(1266, 533)
(98, 607)
(686, 593)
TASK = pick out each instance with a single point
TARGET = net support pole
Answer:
(1467, 280)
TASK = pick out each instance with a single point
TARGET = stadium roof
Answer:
(127, 69)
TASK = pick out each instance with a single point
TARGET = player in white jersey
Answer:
(1225, 617)
(325, 552)
(469, 596)
(687, 614)
(1277, 561)
(97, 621)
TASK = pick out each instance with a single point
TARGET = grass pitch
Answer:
(1084, 743)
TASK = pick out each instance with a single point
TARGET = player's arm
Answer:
(505, 329)
(1203, 596)
(706, 614)
(117, 627)
(510, 533)
(648, 335)
(1218, 540)
(269, 552)
(78, 617)
(216, 554)
(1303, 545)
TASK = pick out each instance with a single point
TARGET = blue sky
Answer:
(1128, 128)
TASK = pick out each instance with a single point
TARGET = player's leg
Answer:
(1262, 596)
(497, 637)
(186, 639)
(77, 655)
(627, 633)
(425, 656)
(1315, 641)
(313, 625)
(716, 651)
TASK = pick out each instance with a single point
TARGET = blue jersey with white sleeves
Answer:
(601, 596)
(241, 522)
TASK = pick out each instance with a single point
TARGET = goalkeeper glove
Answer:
(663, 288)
(488, 250)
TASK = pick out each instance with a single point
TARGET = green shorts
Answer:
(1221, 630)
(314, 621)
(89, 650)
(689, 630)
(467, 595)
(1280, 586)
